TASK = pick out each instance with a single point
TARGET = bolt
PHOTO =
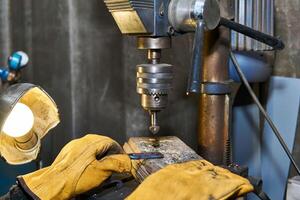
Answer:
(171, 30)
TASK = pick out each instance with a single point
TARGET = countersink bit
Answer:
(154, 128)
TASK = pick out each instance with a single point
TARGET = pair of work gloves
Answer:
(85, 163)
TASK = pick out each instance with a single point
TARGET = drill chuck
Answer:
(153, 84)
(154, 80)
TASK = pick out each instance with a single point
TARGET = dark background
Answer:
(78, 55)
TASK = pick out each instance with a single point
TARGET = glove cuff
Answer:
(21, 182)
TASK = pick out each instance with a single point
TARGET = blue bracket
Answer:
(216, 88)
(4, 74)
(17, 61)
(14, 61)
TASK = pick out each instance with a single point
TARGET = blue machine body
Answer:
(255, 67)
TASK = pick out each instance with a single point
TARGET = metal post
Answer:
(215, 109)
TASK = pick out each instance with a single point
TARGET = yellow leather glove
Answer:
(76, 169)
(193, 180)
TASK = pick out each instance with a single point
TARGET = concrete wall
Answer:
(287, 61)
(287, 27)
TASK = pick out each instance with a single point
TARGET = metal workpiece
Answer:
(145, 155)
(183, 15)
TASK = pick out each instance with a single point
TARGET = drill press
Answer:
(154, 22)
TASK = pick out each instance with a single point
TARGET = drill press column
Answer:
(154, 80)
(215, 109)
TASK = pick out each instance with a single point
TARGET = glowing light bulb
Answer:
(19, 121)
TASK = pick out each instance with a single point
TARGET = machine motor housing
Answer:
(141, 17)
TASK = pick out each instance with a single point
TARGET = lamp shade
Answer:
(25, 107)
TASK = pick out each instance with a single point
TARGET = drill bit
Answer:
(154, 128)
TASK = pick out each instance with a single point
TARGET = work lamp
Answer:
(27, 113)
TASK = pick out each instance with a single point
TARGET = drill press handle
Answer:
(205, 15)
(195, 81)
(274, 42)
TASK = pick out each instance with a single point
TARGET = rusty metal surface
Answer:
(214, 110)
(213, 127)
(287, 27)
(216, 53)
